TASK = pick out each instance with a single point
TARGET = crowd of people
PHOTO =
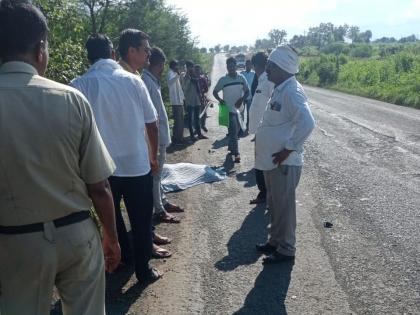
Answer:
(103, 139)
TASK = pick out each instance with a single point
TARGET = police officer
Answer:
(53, 165)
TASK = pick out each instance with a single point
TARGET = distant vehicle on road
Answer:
(240, 61)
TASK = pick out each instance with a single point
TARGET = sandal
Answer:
(166, 218)
(160, 252)
(169, 207)
(161, 240)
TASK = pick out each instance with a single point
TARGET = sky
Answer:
(237, 23)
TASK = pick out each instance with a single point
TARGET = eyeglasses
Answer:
(146, 49)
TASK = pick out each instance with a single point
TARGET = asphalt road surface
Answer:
(361, 174)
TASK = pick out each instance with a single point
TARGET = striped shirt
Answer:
(233, 89)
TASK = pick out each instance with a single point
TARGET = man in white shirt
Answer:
(285, 126)
(124, 112)
(151, 77)
(176, 97)
(249, 76)
(259, 104)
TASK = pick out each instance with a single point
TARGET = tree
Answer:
(203, 50)
(298, 41)
(385, 40)
(98, 13)
(263, 44)
(340, 32)
(67, 25)
(277, 36)
(217, 48)
(361, 50)
(365, 37)
(408, 39)
(353, 33)
(226, 48)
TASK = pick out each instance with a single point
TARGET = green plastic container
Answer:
(223, 115)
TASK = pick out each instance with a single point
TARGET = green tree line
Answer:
(71, 21)
(345, 58)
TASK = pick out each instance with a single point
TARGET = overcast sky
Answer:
(235, 22)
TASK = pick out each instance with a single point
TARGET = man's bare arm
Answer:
(101, 196)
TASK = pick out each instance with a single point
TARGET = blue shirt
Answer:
(249, 76)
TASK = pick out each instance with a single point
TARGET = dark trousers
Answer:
(138, 198)
(233, 130)
(204, 117)
(259, 176)
(248, 106)
(178, 129)
(193, 117)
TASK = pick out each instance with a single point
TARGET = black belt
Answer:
(36, 227)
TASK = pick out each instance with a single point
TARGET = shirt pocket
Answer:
(274, 117)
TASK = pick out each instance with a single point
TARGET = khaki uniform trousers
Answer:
(69, 257)
(281, 185)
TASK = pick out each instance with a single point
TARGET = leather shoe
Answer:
(276, 258)
(265, 248)
(257, 201)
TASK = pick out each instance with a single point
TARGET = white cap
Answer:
(286, 58)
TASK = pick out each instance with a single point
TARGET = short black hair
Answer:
(173, 63)
(130, 37)
(231, 60)
(157, 56)
(22, 29)
(189, 64)
(98, 46)
(259, 59)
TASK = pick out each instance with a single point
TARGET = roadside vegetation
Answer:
(346, 59)
(71, 21)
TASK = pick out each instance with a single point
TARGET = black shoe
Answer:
(202, 137)
(205, 129)
(276, 258)
(266, 248)
(257, 200)
(150, 276)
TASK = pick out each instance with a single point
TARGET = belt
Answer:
(36, 227)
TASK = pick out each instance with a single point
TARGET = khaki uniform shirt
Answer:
(50, 148)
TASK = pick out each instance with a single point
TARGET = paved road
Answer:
(361, 173)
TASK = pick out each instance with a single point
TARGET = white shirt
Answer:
(249, 76)
(259, 101)
(176, 95)
(121, 105)
(153, 86)
(286, 124)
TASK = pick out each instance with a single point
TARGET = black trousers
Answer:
(137, 193)
(259, 176)
(193, 117)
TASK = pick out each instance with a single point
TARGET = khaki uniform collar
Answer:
(18, 67)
